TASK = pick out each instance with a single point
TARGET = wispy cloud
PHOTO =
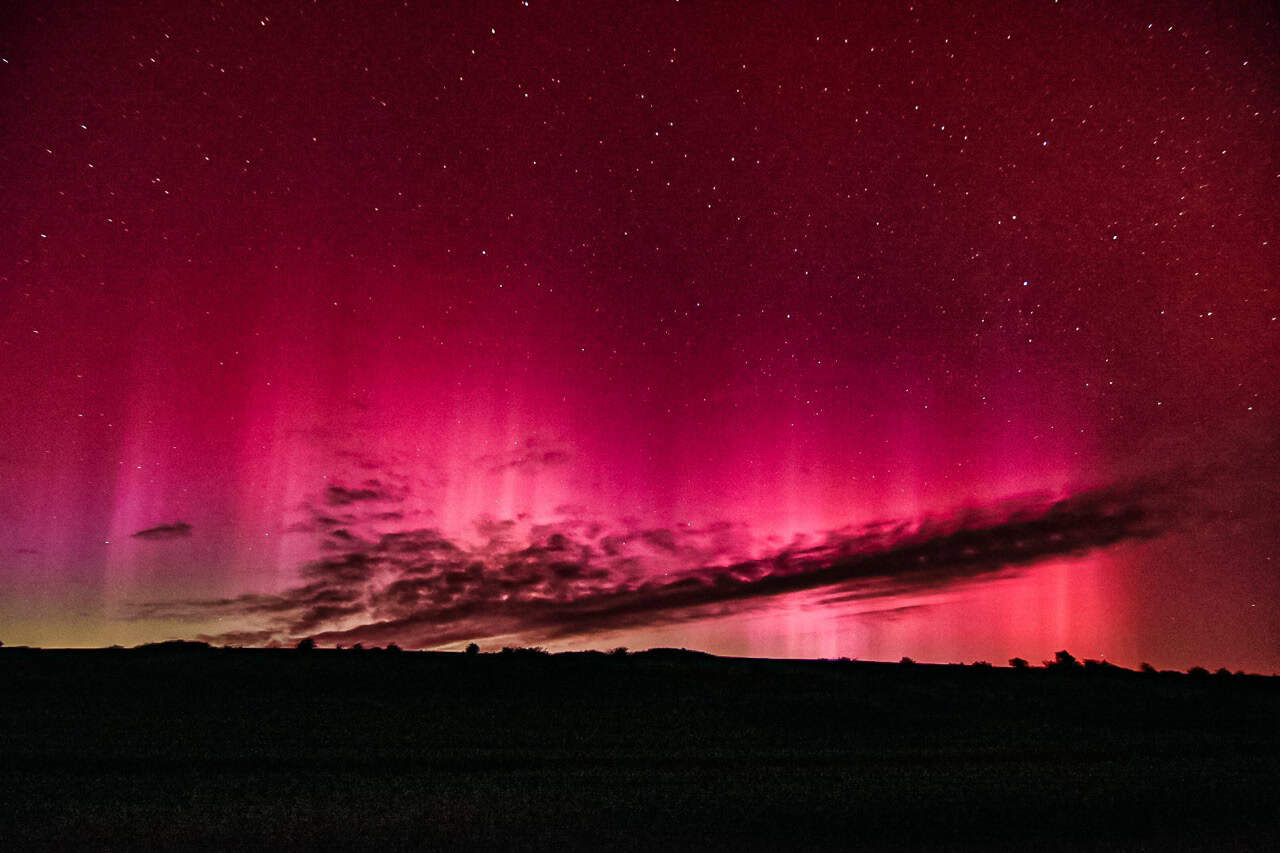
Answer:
(161, 532)
(367, 492)
(420, 588)
(531, 456)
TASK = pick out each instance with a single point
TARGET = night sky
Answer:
(859, 330)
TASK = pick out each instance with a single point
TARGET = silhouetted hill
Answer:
(171, 647)
(672, 654)
(184, 745)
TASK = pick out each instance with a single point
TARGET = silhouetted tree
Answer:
(981, 664)
(473, 649)
(1147, 668)
(1063, 661)
(306, 644)
(619, 652)
(1222, 672)
(392, 647)
(358, 647)
(1018, 663)
(1198, 672)
(906, 661)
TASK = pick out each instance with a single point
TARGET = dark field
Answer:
(231, 749)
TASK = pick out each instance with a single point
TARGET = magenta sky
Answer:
(590, 326)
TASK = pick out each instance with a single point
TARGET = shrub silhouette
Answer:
(306, 644)
(392, 647)
(1223, 672)
(1147, 668)
(619, 652)
(981, 664)
(473, 649)
(1198, 672)
(358, 647)
(906, 661)
(1063, 661)
(1018, 663)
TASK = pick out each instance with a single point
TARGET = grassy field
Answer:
(212, 748)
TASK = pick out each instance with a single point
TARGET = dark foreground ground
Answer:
(230, 749)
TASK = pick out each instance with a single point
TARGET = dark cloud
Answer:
(368, 491)
(890, 614)
(421, 589)
(332, 523)
(176, 530)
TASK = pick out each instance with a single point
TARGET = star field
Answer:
(789, 269)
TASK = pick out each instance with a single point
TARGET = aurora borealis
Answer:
(868, 330)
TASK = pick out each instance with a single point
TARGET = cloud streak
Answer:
(536, 454)
(162, 532)
(421, 589)
(370, 491)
